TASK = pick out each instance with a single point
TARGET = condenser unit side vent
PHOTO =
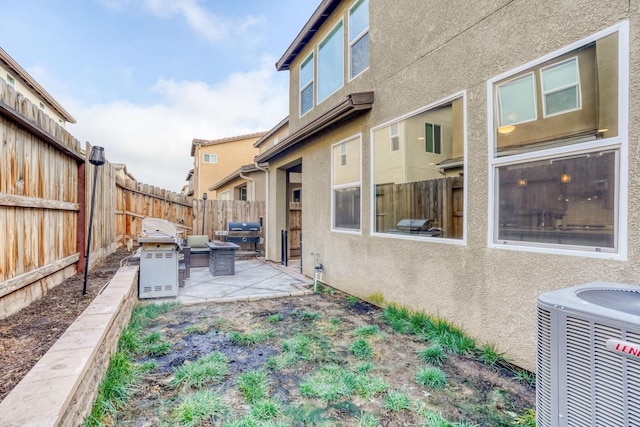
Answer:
(588, 356)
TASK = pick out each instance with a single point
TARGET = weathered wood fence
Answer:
(440, 200)
(45, 194)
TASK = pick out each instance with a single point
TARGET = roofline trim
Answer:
(321, 14)
(354, 104)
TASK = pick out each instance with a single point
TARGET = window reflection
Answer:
(418, 174)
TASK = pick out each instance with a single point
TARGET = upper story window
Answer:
(343, 154)
(359, 37)
(394, 137)
(557, 161)
(433, 138)
(331, 63)
(11, 81)
(410, 186)
(345, 185)
(517, 100)
(306, 85)
(41, 106)
(211, 158)
(561, 87)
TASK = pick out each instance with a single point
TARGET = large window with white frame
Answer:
(331, 63)
(306, 85)
(345, 184)
(557, 151)
(419, 187)
(359, 38)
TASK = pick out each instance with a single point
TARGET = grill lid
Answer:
(157, 230)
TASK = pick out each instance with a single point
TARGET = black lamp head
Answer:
(97, 156)
(204, 196)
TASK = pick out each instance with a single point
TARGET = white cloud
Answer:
(155, 141)
(212, 27)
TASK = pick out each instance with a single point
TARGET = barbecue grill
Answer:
(417, 226)
(245, 232)
(159, 245)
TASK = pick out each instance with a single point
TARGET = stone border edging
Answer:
(61, 387)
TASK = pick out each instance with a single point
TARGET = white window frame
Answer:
(335, 31)
(346, 185)
(11, 81)
(394, 137)
(213, 158)
(535, 100)
(619, 143)
(304, 85)
(434, 139)
(343, 154)
(458, 242)
(357, 38)
(549, 92)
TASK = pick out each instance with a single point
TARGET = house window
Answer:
(561, 87)
(517, 100)
(11, 81)
(359, 37)
(330, 63)
(211, 158)
(556, 179)
(394, 136)
(433, 138)
(296, 195)
(242, 193)
(346, 185)
(41, 105)
(306, 85)
(409, 190)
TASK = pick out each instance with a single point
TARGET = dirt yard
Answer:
(476, 394)
(27, 335)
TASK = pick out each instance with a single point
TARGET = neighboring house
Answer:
(246, 183)
(273, 137)
(18, 78)
(214, 159)
(187, 189)
(463, 159)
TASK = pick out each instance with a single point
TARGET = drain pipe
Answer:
(253, 185)
(266, 206)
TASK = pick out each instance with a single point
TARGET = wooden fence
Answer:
(218, 213)
(440, 200)
(46, 183)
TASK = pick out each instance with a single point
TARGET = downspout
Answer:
(266, 207)
(253, 185)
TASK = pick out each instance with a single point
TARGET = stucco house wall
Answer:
(420, 53)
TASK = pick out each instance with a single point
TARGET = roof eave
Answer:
(355, 103)
(318, 18)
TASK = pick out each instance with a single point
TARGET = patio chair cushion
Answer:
(197, 241)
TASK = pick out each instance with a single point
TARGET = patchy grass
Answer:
(210, 369)
(320, 360)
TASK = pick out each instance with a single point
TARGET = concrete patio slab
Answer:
(253, 279)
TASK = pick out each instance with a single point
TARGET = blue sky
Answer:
(145, 77)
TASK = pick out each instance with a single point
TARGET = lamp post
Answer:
(96, 159)
(204, 210)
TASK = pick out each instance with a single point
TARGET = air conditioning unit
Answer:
(588, 360)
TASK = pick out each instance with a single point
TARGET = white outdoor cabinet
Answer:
(588, 361)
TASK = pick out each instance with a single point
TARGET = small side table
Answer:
(222, 258)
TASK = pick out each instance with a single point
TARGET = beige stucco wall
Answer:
(231, 155)
(490, 293)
